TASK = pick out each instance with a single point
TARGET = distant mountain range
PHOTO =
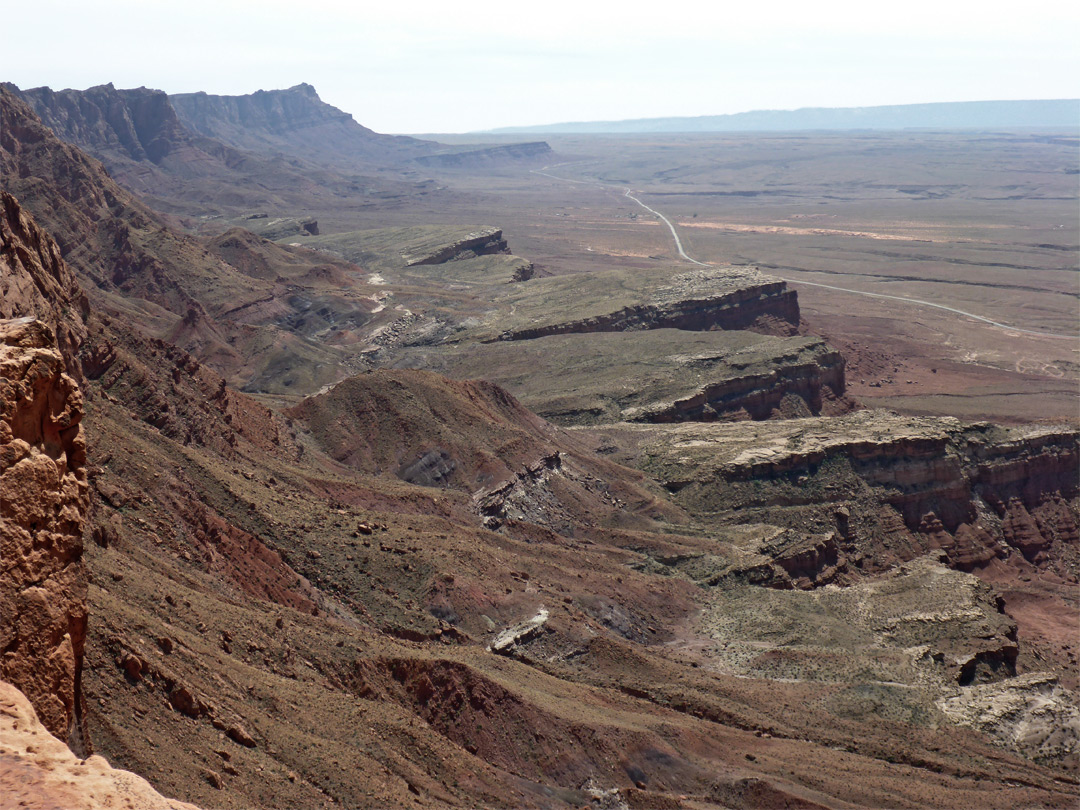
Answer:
(1053, 113)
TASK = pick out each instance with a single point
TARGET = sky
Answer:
(459, 66)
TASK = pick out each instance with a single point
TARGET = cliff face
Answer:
(738, 299)
(802, 381)
(117, 247)
(892, 488)
(138, 135)
(294, 120)
(43, 501)
(482, 242)
(36, 281)
(139, 124)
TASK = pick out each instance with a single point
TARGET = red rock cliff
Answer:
(43, 502)
(34, 280)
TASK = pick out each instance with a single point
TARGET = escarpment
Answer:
(487, 156)
(891, 487)
(138, 124)
(795, 383)
(294, 120)
(728, 299)
(43, 503)
(482, 242)
(655, 375)
(414, 587)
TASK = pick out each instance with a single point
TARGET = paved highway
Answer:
(689, 258)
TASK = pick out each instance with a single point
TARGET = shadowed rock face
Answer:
(477, 243)
(139, 124)
(43, 501)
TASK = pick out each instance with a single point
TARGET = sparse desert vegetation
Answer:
(346, 470)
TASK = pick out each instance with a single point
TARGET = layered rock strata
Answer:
(900, 485)
(138, 124)
(481, 242)
(294, 120)
(812, 373)
(677, 375)
(732, 298)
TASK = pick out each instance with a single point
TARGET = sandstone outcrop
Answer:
(35, 281)
(481, 242)
(284, 227)
(699, 300)
(37, 772)
(43, 502)
(1031, 713)
(676, 375)
(799, 377)
(896, 487)
(920, 623)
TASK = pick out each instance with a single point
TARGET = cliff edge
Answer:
(43, 503)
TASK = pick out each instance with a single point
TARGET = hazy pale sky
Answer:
(423, 66)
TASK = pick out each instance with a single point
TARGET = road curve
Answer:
(674, 233)
(916, 301)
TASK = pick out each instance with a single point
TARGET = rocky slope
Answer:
(409, 590)
(474, 437)
(138, 124)
(43, 503)
(134, 265)
(883, 490)
(895, 487)
(113, 242)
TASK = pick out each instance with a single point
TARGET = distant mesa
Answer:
(193, 148)
(471, 157)
(1050, 113)
(294, 121)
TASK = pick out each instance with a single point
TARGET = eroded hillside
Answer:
(362, 583)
